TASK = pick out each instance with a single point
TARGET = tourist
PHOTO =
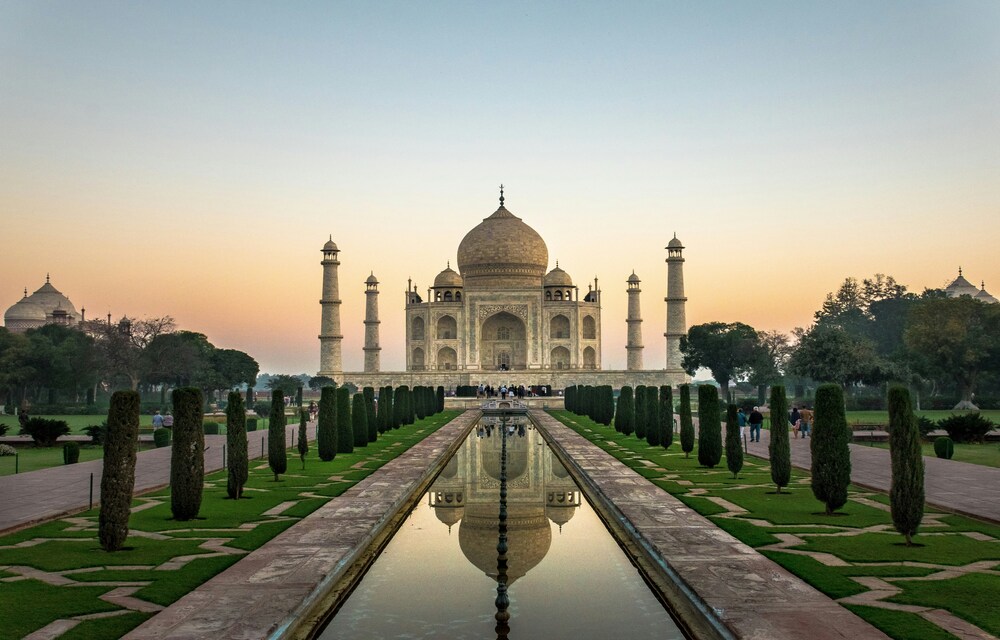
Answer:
(756, 419)
(794, 418)
(805, 421)
(157, 420)
(168, 420)
(741, 419)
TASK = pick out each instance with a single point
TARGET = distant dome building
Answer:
(45, 306)
(962, 287)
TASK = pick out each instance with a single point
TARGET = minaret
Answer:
(634, 322)
(676, 321)
(371, 325)
(330, 359)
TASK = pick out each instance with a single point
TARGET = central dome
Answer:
(502, 251)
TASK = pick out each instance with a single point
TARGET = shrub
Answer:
(385, 408)
(734, 448)
(666, 414)
(277, 459)
(345, 434)
(187, 456)
(43, 431)
(966, 427)
(7, 450)
(251, 424)
(944, 447)
(652, 416)
(709, 426)
(263, 408)
(640, 411)
(3, 429)
(906, 491)
(96, 432)
(625, 415)
(161, 437)
(303, 441)
(326, 424)
(687, 424)
(369, 395)
(71, 453)
(831, 455)
(359, 420)
(210, 428)
(925, 425)
(236, 443)
(118, 477)
(779, 450)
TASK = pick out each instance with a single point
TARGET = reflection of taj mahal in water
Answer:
(503, 316)
(539, 492)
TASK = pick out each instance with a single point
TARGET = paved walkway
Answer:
(970, 489)
(37, 496)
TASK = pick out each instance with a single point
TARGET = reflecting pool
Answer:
(566, 575)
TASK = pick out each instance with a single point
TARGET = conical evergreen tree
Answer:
(187, 456)
(303, 442)
(369, 396)
(419, 411)
(831, 455)
(906, 493)
(399, 399)
(118, 479)
(345, 430)
(666, 414)
(652, 417)
(709, 426)
(734, 448)
(778, 449)
(626, 411)
(687, 424)
(236, 444)
(640, 412)
(440, 399)
(359, 420)
(326, 424)
(277, 459)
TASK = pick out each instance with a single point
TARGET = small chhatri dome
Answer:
(448, 279)
(557, 278)
(961, 287)
(984, 296)
(502, 250)
(330, 245)
(675, 243)
(633, 278)
(371, 279)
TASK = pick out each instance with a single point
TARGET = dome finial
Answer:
(960, 271)
(501, 195)
(557, 264)
(448, 264)
(46, 278)
(26, 292)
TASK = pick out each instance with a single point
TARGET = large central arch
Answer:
(503, 341)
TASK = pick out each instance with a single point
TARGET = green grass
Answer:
(31, 458)
(986, 454)
(39, 604)
(882, 417)
(796, 511)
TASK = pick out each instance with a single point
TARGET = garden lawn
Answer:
(861, 535)
(165, 559)
(986, 454)
(882, 417)
(31, 458)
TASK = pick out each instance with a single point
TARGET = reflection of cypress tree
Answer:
(906, 494)
(666, 415)
(709, 426)
(236, 445)
(626, 411)
(652, 416)
(326, 424)
(640, 411)
(369, 396)
(345, 433)
(734, 449)
(687, 424)
(778, 449)
(831, 455)
(187, 457)
(118, 478)
(277, 459)
(359, 420)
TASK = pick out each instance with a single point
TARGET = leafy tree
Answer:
(318, 382)
(359, 420)
(666, 414)
(771, 363)
(60, 359)
(734, 448)
(831, 455)
(236, 443)
(640, 411)
(652, 416)
(118, 478)
(122, 346)
(831, 354)
(326, 425)
(625, 414)
(730, 351)
(687, 424)
(187, 460)
(287, 384)
(345, 431)
(906, 492)
(180, 358)
(709, 426)
(779, 449)
(233, 367)
(303, 442)
(369, 395)
(277, 459)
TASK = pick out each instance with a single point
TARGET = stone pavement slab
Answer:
(740, 592)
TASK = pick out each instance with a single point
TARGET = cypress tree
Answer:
(303, 443)
(236, 444)
(618, 412)
(118, 478)
(608, 404)
(326, 424)
(385, 409)
(440, 399)
(709, 426)
(298, 397)
(734, 448)
(345, 433)
(399, 402)
(390, 408)
(652, 416)
(187, 457)
(411, 413)
(277, 459)
(626, 410)
(369, 395)
(419, 410)
(568, 398)
(831, 455)
(666, 414)
(359, 420)
(906, 492)
(640, 411)
(778, 448)
(687, 424)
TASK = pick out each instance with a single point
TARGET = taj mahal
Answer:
(503, 316)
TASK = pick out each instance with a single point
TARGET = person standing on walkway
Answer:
(794, 418)
(168, 420)
(157, 420)
(805, 420)
(756, 419)
(741, 420)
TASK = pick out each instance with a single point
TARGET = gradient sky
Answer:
(191, 158)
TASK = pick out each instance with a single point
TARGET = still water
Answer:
(567, 577)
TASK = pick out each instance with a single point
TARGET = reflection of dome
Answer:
(517, 457)
(449, 515)
(558, 470)
(451, 468)
(528, 539)
(560, 514)
(502, 250)
(448, 279)
(557, 278)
